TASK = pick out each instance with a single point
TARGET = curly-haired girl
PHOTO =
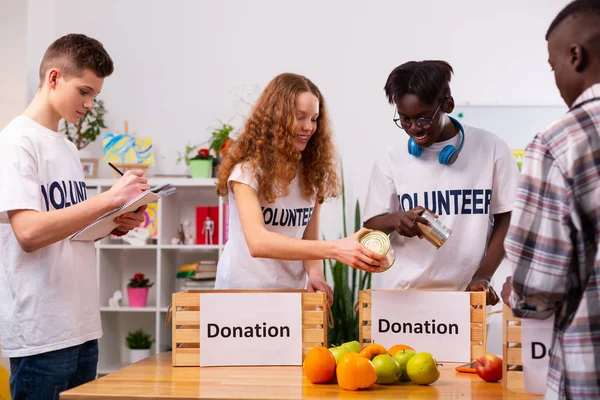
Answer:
(276, 175)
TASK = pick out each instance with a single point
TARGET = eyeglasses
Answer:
(423, 123)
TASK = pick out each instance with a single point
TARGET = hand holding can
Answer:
(378, 242)
(436, 232)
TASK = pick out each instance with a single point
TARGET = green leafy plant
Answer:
(138, 340)
(188, 154)
(220, 140)
(347, 282)
(87, 129)
(139, 281)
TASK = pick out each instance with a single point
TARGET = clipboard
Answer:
(104, 225)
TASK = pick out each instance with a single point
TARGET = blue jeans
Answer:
(44, 376)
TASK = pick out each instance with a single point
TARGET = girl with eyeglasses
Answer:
(464, 175)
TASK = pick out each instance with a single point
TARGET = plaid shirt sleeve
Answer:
(538, 243)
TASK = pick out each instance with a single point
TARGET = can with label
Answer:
(379, 243)
(436, 233)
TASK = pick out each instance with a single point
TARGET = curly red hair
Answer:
(267, 145)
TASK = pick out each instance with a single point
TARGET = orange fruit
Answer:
(372, 350)
(319, 365)
(355, 372)
(398, 347)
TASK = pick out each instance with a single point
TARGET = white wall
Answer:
(13, 42)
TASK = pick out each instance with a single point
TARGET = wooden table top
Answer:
(156, 378)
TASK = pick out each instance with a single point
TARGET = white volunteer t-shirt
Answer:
(48, 298)
(287, 216)
(465, 195)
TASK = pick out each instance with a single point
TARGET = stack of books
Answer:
(200, 275)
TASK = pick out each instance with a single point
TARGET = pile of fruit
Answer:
(357, 367)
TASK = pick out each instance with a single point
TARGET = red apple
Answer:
(489, 368)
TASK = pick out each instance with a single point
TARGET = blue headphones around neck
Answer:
(449, 153)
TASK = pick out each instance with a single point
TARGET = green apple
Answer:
(353, 346)
(338, 352)
(422, 369)
(402, 357)
(386, 368)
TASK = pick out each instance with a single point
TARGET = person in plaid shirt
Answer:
(555, 226)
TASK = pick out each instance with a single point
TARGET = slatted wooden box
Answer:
(512, 364)
(185, 320)
(478, 321)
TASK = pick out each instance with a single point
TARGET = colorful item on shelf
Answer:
(225, 222)
(151, 220)
(196, 276)
(138, 297)
(202, 213)
(137, 290)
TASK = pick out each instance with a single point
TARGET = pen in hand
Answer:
(115, 168)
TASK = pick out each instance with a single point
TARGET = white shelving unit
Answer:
(117, 262)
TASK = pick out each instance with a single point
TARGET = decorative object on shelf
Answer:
(200, 164)
(114, 301)
(127, 151)
(151, 220)
(225, 222)
(187, 232)
(90, 167)
(139, 344)
(220, 141)
(137, 290)
(207, 230)
(87, 129)
(200, 275)
(137, 237)
(204, 213)
(345, 286)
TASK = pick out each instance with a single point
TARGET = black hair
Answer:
(576, 7)
(429, 80)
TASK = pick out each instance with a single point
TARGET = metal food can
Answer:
(436, 233)
(378, 242)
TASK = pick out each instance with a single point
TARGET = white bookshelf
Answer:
(117, 262)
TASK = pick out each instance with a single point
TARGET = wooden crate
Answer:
(478, 321)
(512, 364)
(185, 319)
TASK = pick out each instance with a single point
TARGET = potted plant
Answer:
(200, 164)
(220, 140)
(139, 344)
(220, 143)
(137, 290)
(87, 129)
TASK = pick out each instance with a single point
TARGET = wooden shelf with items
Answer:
(159, 260)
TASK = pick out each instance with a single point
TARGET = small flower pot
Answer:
(138, 297)
(136, 355)
(201, 168)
